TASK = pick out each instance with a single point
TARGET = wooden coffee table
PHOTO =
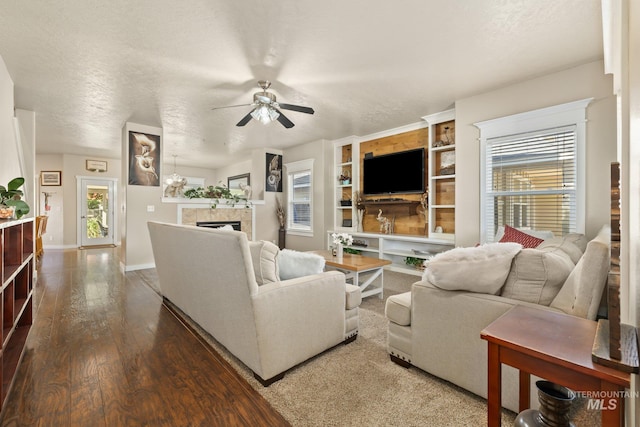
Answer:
(353, 265)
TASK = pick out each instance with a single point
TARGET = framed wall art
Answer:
(96, 165)
(273, 179)
(144, 159)
(50, 178)
(237, 184)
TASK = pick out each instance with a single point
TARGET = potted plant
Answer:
(10, 203)
(417, 263)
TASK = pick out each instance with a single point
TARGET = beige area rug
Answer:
(356, 384)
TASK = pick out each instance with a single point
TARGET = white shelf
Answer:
(452, 176)
(444, 148)
(443, 206)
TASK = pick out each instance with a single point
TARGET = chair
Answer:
(41, 228)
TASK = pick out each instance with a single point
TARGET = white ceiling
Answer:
(87, 67)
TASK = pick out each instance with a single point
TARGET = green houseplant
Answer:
(417, 263)
(10, 197)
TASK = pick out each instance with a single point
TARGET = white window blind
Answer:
(300, 197)
(531, 181)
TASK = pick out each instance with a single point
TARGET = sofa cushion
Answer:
(398, 309)
(264, 259)
(581, 293)
(481, 269)
(565, 244)
(294, 264)
(537, 275)
(354, 296)
(516, 236)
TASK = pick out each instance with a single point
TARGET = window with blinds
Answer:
(531, 181)
(300, 197)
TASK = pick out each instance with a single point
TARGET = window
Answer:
(300, 197)
(533, 171)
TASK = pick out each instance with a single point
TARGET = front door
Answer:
(96, 204)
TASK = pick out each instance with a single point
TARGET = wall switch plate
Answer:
(151, 208)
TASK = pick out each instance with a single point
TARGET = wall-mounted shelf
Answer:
(17, 272)
(395, 207)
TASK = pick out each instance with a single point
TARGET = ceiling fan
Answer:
(267, 109)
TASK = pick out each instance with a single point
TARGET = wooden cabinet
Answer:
(442, 175)
(17, 272)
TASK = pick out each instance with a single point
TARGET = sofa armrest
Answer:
(298, 318)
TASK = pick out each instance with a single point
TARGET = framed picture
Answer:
(273, 179)
(144, 159)
(237, 184)
(96, 165)
(51, 178)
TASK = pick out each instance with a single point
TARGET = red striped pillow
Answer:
(526, 240)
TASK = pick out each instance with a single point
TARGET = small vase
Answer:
(7, 212)
(555, 404)
(339, 252)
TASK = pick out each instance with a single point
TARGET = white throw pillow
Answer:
(264, 256)
(536, 275)
(481, 269)
(294, 264)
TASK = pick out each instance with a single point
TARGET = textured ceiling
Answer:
(87, 67)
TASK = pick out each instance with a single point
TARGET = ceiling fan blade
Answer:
(284, 121)
(297, 108)
(246, 119)
(230, 106)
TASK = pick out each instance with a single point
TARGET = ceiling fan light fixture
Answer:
(265, 114)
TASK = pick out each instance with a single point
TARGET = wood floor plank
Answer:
(104, 351)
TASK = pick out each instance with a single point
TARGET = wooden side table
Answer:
(556, 347)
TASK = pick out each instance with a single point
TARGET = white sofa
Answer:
(209, 275)
(438, 330)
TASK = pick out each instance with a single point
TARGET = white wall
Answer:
(320, 151)
(9, 165)
(568, 85)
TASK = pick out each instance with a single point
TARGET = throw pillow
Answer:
(517, 236)
(294, 264)
(540, 234)
(537, 275)
(264, 257)
(481, 269)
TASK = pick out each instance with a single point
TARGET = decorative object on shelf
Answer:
(282, 219)
(10, 200)
(555, 404)
(386, 226)
(51, 178)
(345, 202)
(447, 163)
(417, 263)
(346, 223)
(423, 210)
(360, 208)
(96, 165)
(144, 159)
(344, 178)
(273, 180)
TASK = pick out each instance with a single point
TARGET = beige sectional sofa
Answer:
(438, 330)
(210, 275)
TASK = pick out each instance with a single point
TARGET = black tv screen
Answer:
(401, 172)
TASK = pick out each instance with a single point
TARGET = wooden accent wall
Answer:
(405, 222)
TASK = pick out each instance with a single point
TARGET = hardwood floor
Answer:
(104, 351)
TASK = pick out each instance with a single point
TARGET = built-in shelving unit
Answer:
(396, 248)
(345, 151)
(17, 272)
(442, 177)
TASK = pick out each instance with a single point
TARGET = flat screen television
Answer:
(394, 173)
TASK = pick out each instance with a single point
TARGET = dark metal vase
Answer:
(555, 404)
